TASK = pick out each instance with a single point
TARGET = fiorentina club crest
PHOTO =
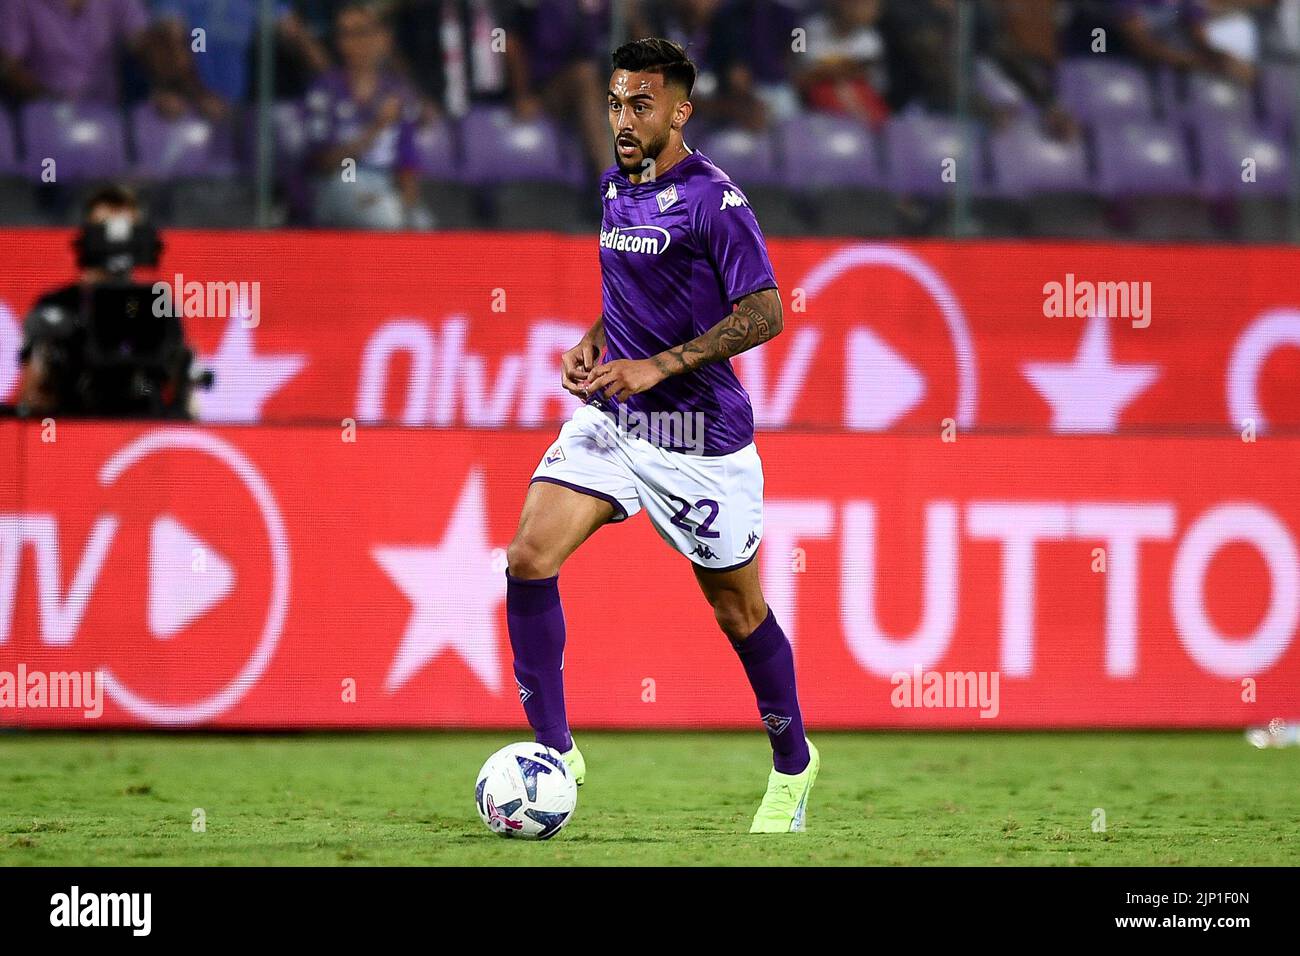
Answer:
(667, 197)
(775, 723)
(554, 455)
(524, 693)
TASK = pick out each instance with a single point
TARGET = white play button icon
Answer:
(883, 386)
(187, 576)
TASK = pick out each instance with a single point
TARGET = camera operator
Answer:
(96, 347)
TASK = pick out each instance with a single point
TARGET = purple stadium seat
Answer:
(997, 90)
(436, 151)
(1103, 89)
(189, 146)
(1143, 159)
(85, 140)
(8, 148)
(1224, 145)
(749, 158)
(1280, 90)
(918, 145)
(448, 199)
(500, 148)
(1194, 97)
(823, 152)
(1027, 162)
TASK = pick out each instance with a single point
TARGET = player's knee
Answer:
(737, 616)
(525, 559)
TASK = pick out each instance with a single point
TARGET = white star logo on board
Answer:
(1090, 393)
(242, 379)
(454, 592)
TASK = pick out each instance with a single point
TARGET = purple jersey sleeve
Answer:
(728, 233)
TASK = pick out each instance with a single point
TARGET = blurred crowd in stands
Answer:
(1062, 117)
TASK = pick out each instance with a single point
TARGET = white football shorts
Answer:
(708, 507)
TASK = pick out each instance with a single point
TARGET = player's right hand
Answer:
(575, 364)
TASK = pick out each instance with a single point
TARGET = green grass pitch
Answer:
(650, 798)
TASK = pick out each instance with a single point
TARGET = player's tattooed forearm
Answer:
(756, 319)
(683, 358)
(753, 323)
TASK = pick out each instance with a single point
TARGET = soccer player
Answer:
(686, 284)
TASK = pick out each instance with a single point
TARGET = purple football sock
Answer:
(769, 665)
(536, 623)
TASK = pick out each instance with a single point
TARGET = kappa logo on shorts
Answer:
(704, 551)
(775, 723)
(554, 455)
(753, 540)
(524, 692)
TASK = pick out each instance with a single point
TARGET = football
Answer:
(525, 790)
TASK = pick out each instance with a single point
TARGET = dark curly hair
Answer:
(657, 55)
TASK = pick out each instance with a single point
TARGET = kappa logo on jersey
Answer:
(554, 455)
(524, 692)
(667, 197)
(732, 198)
(775, 723)
(611, 192)
(636, 239)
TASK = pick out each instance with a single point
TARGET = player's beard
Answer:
(649, 151)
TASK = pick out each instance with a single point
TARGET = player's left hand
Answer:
(623, 377)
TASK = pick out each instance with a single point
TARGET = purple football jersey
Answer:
(675, 254)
